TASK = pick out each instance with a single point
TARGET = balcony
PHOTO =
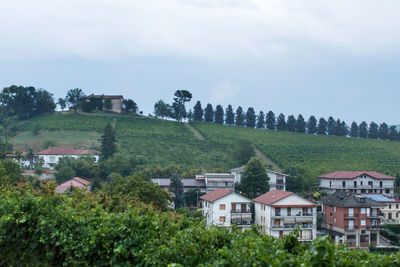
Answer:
(349, 187)
(292, 226)
(351, 216)
(301, 214)
(241, 218)
(351, 228)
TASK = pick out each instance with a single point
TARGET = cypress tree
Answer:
(108, 142)
(312, 125)
(300, 124)
(322, 124)
(373, 130)
(260, 120)
(219, 115)
(176, 188)
(239, 116)
(209, 113)
(393, 133)
(291, 123)
(230, 117)
(383, 132)
(250, 118)
(198, 112)
(338, 128)
(270, 120)
(354, 129)
(281, 123)
(344, 129)
(363, 130)
(331, 126)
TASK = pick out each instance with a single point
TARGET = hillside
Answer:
(164, 142)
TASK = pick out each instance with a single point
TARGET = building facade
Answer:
(280, 212)
(277, 180)
(391, 211)
(215, 181)
(49, 157)
(116, 101)
(357, 182)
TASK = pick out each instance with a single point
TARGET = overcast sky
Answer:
(320, 57)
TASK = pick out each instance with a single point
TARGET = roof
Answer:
(347, 199)
(219, 175)
(187, 182)
(381, 198)
(105, 96)
(241, 169)
(14, 154)
(216, 194)
(355, 174)
(66, 150)
(75, 182)
(272, 197)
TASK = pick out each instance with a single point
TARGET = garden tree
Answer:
(383, 132)
(331, 126)
(192, 197)
(178, 112)
(250, 118)
(92, 104)
(239, 117)
(393, 133)
(354, 129)
(107, 104)
(219, 115)
(130, 106)
(230, 117)
(300, 124)
(373, 130)
(75, 97)
(62, 103)
(125, 166)
(209, 113)
(125, 191)
(260, 120)
(84, 167)
(254, 181)
(270, 120)
(163, 110)
(312, 125)
(280, 123)
(198, 112)
(95, 185)
(30, 156)
(363, 130)
(341, 128)
(176, 188)
(6, 135)
(108, 142)
(344, 129)
(301, 180)
(291, 123)
(181, 97)
(64, 174)
(190, 115)
(10, 172)
(244, 152)
(322, 124)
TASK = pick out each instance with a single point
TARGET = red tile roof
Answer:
(216, 194)
(355, 174)
(272, 197)
(105, 96)
(66, 150)
(74, 182)
(80, 180)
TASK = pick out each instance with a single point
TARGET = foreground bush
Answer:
(52, 230)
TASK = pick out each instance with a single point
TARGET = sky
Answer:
(313, 57)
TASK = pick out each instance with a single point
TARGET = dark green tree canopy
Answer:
(331, 126)
(373, 130)
(209, 113)
(363, 130)
(219, 115)
(75, 97)
(393, 133)
(271, 121)
(354, 129)
(176, 188)
(244, 152)
(383, 132)
(230, 117)
(281, 123)
(62, 103)
(108, 142)
(130, 106)
(291, 123)
(260, 120)
(254, 181)
(181, 97)
(300, 124)
(312, 125)
(163, 110)
(239, 117)
(322, 125)
(198, 112)
(250, 118)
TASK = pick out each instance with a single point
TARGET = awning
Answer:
(289, 220)
(246, 217)
(236, 219)
(301, 220)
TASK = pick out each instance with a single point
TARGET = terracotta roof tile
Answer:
(66, 150)
(272, 196)
(355, 174)
(216, 194)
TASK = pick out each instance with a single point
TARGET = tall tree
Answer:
(130, 106)
(281, 123)
(30, 156)
(6, 135)
(354, 129)
(312, 125)
(331, 126)
(254, 181)
(198, 112)
(108, 142)
(363, 130)
(108, 105)
(62, 103)
(250, 118)
(271, 121)
(176, 188)
(181, 97)
(260, 120)
(291, 123)
(75, 97)
(219, 114)
(393, 133)
(300, 124)
(209, 113)
(244, 152)
(338, 127)
(373, 130)
(383, 132)
(239, 117)
(322, 124)
(162, 109)
(230, 117)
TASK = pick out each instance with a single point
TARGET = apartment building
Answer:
(391, 211)
(277, 180)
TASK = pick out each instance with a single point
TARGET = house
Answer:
(20, 157)
(75, 182)
(116, 101)
(214, 181)
(357, 182)
(391, 211)
(188, 183)
(352, 218)
(224, 208)
(280, 212)
(49, 157)
(277, 180)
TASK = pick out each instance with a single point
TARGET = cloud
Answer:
(223, 91)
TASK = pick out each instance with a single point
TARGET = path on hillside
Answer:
(267, 161)
(196, 133)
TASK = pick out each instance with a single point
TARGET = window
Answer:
(387, 191)
(334, 208)
(221, 219)
(221, 206)
(334, 220)
(344, 184)
(397, 206)
(330, 183)
(362, 210)
(390, 206)
(364, 238)
(374, 237)
(362, 222)
(361, 183)
(370, 183)
(380, 184)
(351, 238)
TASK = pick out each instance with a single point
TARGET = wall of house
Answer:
(49, 161)
(393, 209)
(273, 178)
(116, 105)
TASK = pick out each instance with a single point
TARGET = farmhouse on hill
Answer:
(116, 101)
(50, 156)
(75, 182)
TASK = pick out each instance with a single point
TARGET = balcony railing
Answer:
(239, 211)
(302, 214)
(351, 228)
(292, 226)
(351, 216)
(358, 187)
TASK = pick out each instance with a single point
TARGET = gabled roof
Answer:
(105, 96)
(355, 174)
(241, 169)
(272, 197)
(381, 198)
(216, 194)
(67, 150)
(75, 182)
(347, 199)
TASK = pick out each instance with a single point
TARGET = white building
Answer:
(21, 159)
(277, 180)
(224, 208)
(279, 212)
(357, 182)
(49, 157)
(214, 181)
